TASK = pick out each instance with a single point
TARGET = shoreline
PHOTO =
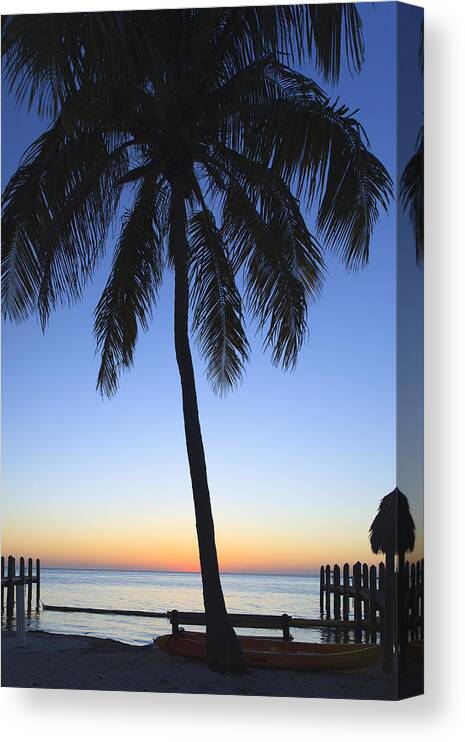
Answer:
(77, 662)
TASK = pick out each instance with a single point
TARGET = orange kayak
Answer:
(278, 654)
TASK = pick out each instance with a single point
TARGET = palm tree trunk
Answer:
(223, 649)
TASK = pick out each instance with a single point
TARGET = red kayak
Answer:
(279, 654)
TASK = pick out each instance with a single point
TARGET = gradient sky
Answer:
(297, 462)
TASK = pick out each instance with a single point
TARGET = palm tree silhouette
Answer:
(194, 115)
(393, 533)
(412, 181)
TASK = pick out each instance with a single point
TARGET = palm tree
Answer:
(393, 533)
(214, 140)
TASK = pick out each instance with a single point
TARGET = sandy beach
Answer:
(84, 663)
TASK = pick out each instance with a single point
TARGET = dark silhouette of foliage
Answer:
(393, 529)
(393, 533)
(412, 180)
(412, 195)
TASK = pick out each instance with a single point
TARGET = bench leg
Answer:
(286, 628)
(174, 623)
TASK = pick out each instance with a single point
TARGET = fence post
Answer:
(389, 612)
(418, 602)
(328, 591)
(29, 584)
(401, 613)
(421, 600)
(382, 588)
(407, 597)
(345, 596)
(337, 592)
(372, 604)
(413, 601)
(322, 589)
(382, 575)
(10, 599)
(20, 623)
(38, 583)
(365, 585)
(3, 573)
(357, 573)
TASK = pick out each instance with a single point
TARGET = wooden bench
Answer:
(238, 620)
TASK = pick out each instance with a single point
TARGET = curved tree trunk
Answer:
(223, 649)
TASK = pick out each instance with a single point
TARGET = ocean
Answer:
(162, 591)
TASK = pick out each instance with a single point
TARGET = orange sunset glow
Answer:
(174, 547)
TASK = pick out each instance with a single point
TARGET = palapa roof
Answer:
(393, 528)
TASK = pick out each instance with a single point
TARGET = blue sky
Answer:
(297, 462)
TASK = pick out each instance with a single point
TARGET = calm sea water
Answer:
(161, 591)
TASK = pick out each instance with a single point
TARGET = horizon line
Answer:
(181, 571)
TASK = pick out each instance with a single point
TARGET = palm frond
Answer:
(57, 210)
(283, 119)
(23, 215)
(37, 52)
(264, 80)
(412, 195)
(291, 32)
(318, 149)
(282, 262)
(217, 306)
(349, 210)
(131, 289)
(48, 57)
(333, 27)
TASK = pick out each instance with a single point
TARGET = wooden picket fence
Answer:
(356, 597)
(11, 579)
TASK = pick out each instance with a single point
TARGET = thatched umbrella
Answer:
(393, 529)
(393, 532)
